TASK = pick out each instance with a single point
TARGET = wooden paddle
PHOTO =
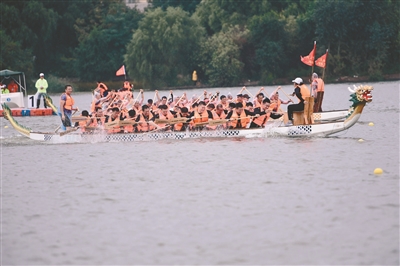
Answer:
(127, 122)
(171, 121)
(111, 124)
(249, 93)
(79, 118)
(286, 95)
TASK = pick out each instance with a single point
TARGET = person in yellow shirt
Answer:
(41, 86)
(4, 89)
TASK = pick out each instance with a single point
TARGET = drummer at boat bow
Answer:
(301, 91)
(66, 107)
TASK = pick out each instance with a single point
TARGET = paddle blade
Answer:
(127, 123)
(218, 122)
(79, 118)
(111, 124)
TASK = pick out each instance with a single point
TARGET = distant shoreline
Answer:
(287, 81)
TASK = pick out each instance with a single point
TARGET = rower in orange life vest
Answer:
(258, 100)
(239, 117)
(146, 120)
(223, 101)
(165, 114)
(84, 123)
(66, 108)
(97, 102)
(99, 118)
(182, 112)
(131, 116)
(114, 117)
(200, 115)
(262, 114)
(317, 87)
(302, 92)
(218, 114)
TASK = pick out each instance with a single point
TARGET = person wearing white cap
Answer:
(301, 91)
(41, 86)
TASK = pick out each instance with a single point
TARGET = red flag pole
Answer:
(315, 50)
(326, 64)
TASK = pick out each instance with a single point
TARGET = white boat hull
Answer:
(273, 129)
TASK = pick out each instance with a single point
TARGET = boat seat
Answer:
(305, 117)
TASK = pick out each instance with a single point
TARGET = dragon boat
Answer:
(359, 97)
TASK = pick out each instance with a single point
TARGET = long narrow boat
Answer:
(360, 96)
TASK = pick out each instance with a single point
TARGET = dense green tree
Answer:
(13, 56)
(359, 34)
(263, 38)
(270, 40)
(187, 5)
(102, 52)
(163, 47)
(220, 57)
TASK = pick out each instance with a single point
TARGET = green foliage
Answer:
(220, 57)
(108, 40)
(226, 41)
(270, 39)
(363, 37)
(163, 47)
(13, 57)
(187, 5)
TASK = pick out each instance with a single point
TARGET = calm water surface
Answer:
(206, 201)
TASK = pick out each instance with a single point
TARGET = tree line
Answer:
(225, 41)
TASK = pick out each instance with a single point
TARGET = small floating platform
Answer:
(30, 112)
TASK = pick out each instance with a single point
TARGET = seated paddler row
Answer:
(212, 114)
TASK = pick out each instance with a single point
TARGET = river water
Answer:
(206, 201)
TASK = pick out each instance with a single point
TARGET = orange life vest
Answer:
(257, 104)
(305, 92)
(244, 120)
(144, 125)
(199, 118)
(69, 102)
(129, 128)
(320, 86)
(115, 129)
(168, 117)
(260, 121)
(178, 126)
(275, 106)
(82, 125)
(217, 117)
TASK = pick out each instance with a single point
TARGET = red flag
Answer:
(321, 62)
(309, 59)
(121, 71)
